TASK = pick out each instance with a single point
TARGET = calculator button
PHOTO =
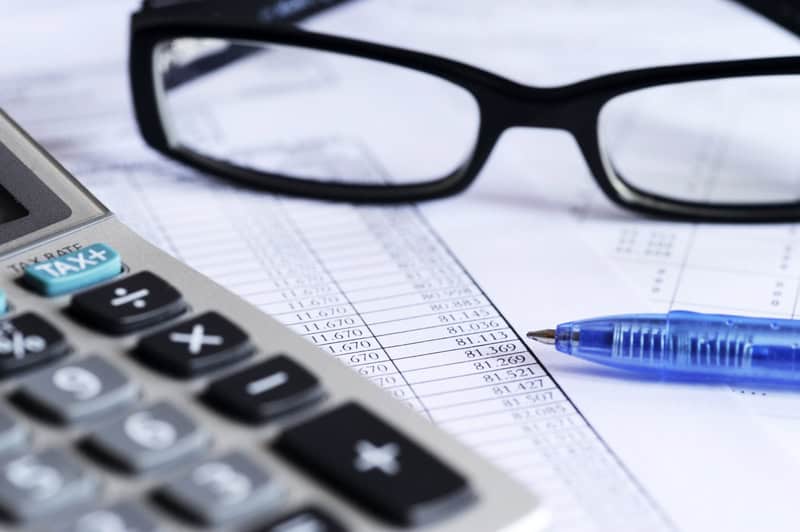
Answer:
(79, 269)
(224, 490)
(376, 466)
(35, 485)
(200, 344)
(129, 304)
(121, 517)
(268, 389)
(84, 389)
(151, 438)
(3, 302)
(13, 434)
(305, 520)
(28, 340)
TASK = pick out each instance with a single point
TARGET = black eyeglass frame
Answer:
(502, 104)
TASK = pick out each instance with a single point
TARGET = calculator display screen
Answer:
(27, 204)
(10, 209)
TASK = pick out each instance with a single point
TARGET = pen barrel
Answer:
(710, 345)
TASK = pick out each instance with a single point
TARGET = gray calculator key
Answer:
(122, 517)
(84, 389)
(12, 433)
(39, 484)
(224, 490)
(150, 438)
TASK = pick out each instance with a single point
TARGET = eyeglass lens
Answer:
(730, 141)
(313, 115)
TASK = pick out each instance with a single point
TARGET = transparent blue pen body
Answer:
(689, 343)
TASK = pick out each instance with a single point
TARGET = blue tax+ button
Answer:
(75, 270)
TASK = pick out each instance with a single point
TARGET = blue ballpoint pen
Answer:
(685, 343)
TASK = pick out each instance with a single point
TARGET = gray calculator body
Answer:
(58, 216)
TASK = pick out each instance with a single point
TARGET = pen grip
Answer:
(734, 345)
(691, 343)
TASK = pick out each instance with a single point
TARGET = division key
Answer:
(129, 304)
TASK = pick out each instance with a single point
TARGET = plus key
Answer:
(377, 466)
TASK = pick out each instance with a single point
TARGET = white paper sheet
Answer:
(606, 453)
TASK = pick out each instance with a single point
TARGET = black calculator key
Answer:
(194, 346)
(376, 466)
(28, 340)
(305, 520)
(261, 392)
(132, 303)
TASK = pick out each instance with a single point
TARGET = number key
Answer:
(121, 517)
(223, 490)
(35, 485)
(150, 438)
(82, 390)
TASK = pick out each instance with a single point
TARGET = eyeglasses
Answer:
(236, 90)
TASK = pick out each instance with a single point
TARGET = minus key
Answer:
(266, 390)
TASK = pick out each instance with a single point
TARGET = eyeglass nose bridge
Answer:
(545, 108)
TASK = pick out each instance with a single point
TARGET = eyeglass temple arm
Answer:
(272, 11)
(782, 12)
(285, 11)
(785, 13)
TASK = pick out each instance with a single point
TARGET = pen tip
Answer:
(545, 336)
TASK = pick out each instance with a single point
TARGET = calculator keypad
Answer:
(223, 490)
(129, 304)
(156, 437)
(38, 484)
(205, 342)
(265, 390)
(120, 424)
(85, 389)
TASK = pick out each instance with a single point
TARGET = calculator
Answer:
(140, 396)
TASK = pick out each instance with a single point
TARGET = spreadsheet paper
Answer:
(428, 302)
